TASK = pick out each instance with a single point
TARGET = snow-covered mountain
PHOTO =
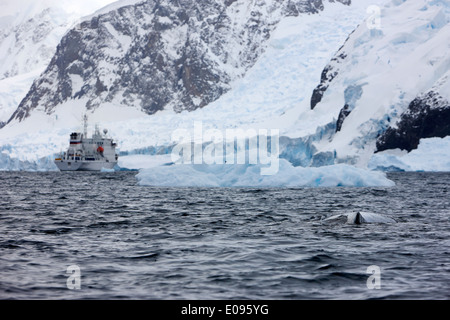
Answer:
(160, 55)
(388, 87)
(29, 34)
(337, 86)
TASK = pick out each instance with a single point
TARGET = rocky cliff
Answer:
(156, 55)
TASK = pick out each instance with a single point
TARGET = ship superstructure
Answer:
(88, 154)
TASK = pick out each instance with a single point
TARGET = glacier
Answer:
(246, 175)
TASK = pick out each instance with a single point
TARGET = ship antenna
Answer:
(85, 125)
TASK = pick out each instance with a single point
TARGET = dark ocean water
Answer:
(135, 242)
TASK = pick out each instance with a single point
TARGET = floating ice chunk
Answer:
(245, 175)
(106, 170)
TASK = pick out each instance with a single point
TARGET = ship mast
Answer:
(85, 124)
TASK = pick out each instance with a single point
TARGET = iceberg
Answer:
(432, 155)
(247, 175)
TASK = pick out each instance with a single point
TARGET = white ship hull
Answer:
(84, 165)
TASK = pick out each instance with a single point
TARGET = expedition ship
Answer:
(88, 154)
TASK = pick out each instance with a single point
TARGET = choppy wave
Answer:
(139, 242)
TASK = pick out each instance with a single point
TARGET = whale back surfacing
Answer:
(360, 217)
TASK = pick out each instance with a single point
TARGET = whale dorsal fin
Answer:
(359, 218)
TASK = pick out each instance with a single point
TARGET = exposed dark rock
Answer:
(328, 74)
(427, 116)
(345, 111)
(352, 94)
